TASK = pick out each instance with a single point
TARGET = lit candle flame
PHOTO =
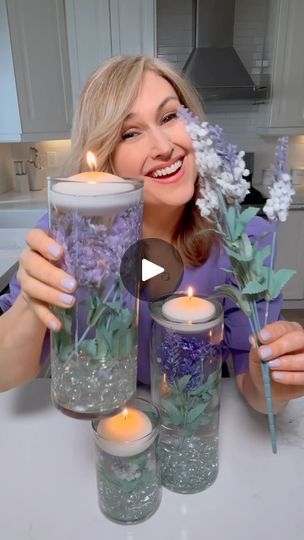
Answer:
(91, 161)
(125, 413)
(190, 293)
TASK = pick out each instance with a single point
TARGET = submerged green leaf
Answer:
(195, 412)
(172, 411)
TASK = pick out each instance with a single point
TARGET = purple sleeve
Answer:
(236, 324)
(8, 299)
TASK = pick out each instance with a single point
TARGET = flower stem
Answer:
(266, 382)
(274, 236)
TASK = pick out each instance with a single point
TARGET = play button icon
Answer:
(151, 268)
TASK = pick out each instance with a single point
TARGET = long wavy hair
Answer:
(104, 103)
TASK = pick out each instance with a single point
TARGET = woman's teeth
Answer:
(168, 170)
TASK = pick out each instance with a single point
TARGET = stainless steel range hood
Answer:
(214, 66)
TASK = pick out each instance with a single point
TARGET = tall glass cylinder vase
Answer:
(94, 355)
(186, 372)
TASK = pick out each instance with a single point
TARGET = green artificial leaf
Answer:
(172, 411)
(237, 255)
(206, 419)
(89, 346)
(235, 295)
(182, 383)
(124, 342)
(264, 252)
(258, 271)
(104, 340)
(247, 215)
(127, 486)
(213, 379)
(199, 390)
(230, 220)
(246, 246)
(241, 221)
(114, 306)
(65, 317)
(195, 412)
(228, 270)
(95, 314)
(253, 287)
(140, 459)
(278, 281)
(67, 350)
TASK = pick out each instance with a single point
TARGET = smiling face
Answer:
(155, 145)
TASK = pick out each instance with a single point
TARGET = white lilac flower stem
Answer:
(274, 238)
(267, 384)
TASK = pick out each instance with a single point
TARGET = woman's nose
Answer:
(161, 145)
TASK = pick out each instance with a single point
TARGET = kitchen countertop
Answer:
(11, 244)
(31, 199)
(48, 485)
(18, 213)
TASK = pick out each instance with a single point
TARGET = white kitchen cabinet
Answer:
(284, 114)
(35, 87)
(100, 29)
(291, 252)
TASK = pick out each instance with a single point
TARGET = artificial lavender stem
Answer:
(270, 415)
(267, 389)
(274, 236)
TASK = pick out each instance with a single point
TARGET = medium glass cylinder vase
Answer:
(127, 466)
(186, 373)
(94, 355)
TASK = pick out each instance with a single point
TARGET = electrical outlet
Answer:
(52, 159)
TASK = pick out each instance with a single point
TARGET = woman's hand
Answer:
(282, 345)
(42, 283)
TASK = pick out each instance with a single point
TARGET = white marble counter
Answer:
(12, 242)
(19, 212)
(32, 199)
(48, 486)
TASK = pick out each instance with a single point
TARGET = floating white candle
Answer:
(188, 309)
(94, 193)
(125, 434)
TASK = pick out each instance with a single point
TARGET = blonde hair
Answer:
(104, 103)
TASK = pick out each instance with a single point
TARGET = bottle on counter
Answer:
(21, 178)
(36, 171)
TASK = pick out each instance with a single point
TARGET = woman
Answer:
(127, 117)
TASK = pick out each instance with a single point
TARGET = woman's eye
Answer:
(129, 135)
(169, 116)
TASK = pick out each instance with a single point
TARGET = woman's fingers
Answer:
(281, 338)
(294, 378)
(42, 270)
(289, 362)
(38, 290)
(39, 241)
(44, 313)
(42, 283)
(274, 331)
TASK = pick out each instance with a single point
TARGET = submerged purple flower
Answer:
(179, 356)
(94, 246)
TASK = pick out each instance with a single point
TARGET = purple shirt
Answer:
(203, 279)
